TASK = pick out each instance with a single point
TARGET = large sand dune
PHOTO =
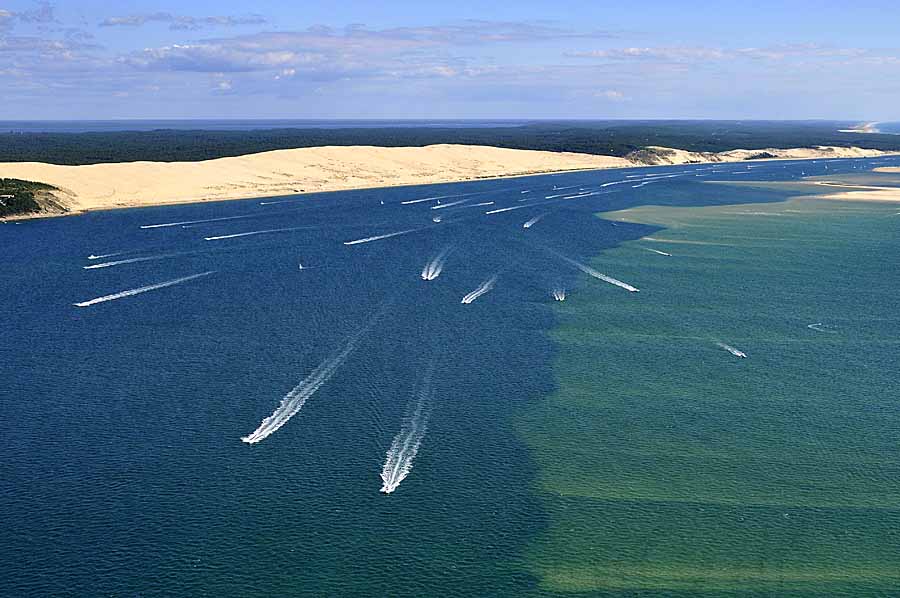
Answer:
(305, 170)
(283, 172)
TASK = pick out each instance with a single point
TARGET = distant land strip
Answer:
(307, 170)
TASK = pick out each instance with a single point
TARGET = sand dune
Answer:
(664, 155)
(305, 170)
(283, 172)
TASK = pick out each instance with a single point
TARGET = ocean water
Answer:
(889, 127)
(123, 467)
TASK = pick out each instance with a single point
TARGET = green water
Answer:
(668, 466)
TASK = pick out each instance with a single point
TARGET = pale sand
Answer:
(665, 155)
(880, 194)
(307, 170)
(887, 169)
(285, 172)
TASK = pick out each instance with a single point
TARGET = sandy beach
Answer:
(308, 170)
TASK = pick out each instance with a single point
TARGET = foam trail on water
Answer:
(400, 456)
(559, 293)
(105, 255)
(133, 260)
(591, 272)
(435, 266)
(167, 224)
(441, 206)
(732, 350)
(580, 195)
(506, 209)
(534, 220)
(657, 251)
(253, 232)
(379, 237)
(820, 327)
(140, 290)
(297, 397)
(483, 288)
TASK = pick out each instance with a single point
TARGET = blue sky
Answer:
(89, 59)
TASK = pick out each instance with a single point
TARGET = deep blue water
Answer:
(892, 127)
(105, 126)
(122, 470)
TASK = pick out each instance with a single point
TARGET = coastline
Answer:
(341, 168)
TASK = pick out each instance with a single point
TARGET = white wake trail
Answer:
(139, 290)
(498, 211)
(167, 224)
(534, 220)
(559, 293)
(483, 288)
(380, 237)
(297, 397)
(133, 260)
(732, 350)
(441, 206)
(598, 275)
(821, 327)
(400, 456)
(435, 266)
(657, 251)
(105, 255)
(253, 232)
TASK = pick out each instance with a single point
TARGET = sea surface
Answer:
(267, 397)
(889, 127)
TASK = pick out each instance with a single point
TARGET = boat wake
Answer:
(139, 290)
(657, 251)
(559, 293)
(732, 350)
(297, 397)
(534, 220)
(106, 255)
(598, 275)
(254, 232)
(400, 456)
(380, 237)
(133, 260)
(483, 288)
(435, 266)
(820, 327)
(168, 224)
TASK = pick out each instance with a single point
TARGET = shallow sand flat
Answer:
(283, 172)
(888, 194)
(887, 169)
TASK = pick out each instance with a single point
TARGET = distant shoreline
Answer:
(341, 168)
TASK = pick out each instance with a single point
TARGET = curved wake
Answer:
(399, 459)
(483, 288)
(435, 266)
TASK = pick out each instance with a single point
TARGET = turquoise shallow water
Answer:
(122, 471)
